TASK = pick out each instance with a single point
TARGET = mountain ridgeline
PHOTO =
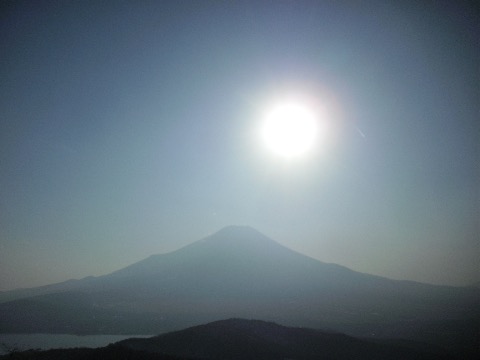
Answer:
(237, 339)
(240, 273)
(254, 339)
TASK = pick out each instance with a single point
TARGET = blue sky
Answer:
(129, 128)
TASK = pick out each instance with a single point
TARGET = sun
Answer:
(289, 129)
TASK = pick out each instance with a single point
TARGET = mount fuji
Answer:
(240, 273)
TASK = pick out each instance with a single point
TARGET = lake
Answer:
(51, 341)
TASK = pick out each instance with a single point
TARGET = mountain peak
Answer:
(236, 235)
(236, 241)
(238, 230)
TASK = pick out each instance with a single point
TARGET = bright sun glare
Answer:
(289, 129)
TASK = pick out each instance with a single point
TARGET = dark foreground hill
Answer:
(254, 339)
(239, 272)
(237, 339)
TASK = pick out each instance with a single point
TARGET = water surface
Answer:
(52, 341)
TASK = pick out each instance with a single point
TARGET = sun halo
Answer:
(289, 129)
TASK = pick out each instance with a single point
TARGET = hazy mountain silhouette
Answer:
(239, 272)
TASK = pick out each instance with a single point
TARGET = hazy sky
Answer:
(129, 128)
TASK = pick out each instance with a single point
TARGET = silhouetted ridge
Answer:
(255, 339)
(238, 272)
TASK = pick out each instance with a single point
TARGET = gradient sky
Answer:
(128, 128)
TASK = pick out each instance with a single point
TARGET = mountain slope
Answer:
(253, 339)
(246, 339)
(239, 272)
